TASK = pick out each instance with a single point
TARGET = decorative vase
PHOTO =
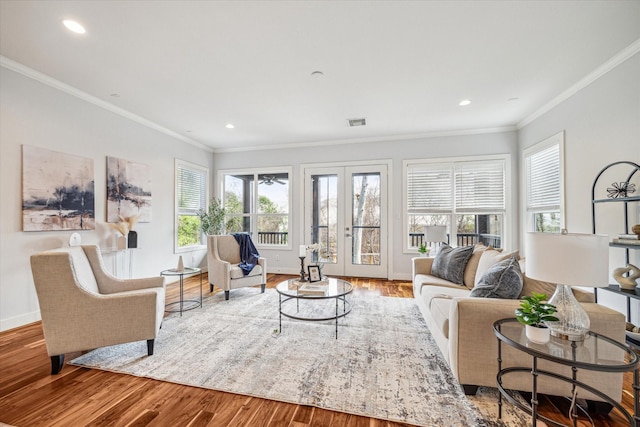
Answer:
(180, 264)
(132, 239)
(538, 335)
(121, 242)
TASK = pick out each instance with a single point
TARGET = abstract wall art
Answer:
(128, 190)
(57, 191)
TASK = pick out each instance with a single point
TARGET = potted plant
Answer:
(533, 312)
(212, 220)
(423, 250)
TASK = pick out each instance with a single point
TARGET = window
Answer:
(191, 195)
(466, 196)
(543, 181)
(258, 203)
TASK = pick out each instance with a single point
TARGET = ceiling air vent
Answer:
(357, 122)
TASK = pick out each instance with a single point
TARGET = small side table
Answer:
(189, 304)
(581, 355)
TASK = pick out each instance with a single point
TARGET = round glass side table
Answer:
(596, 353)
(184, 305)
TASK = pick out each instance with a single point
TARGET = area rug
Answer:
(384, 363)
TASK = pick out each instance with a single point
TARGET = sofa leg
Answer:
(57, 362)
(597, 407)
(469, 390)
(262, 287)
(226, 295)
(210, 287)
(150, 347)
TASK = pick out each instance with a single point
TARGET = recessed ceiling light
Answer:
(513, 99)
(317, 74)
(464, 102)
(114, 95)
(229, 126)
(74, 26)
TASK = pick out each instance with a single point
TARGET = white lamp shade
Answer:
(435, 233)
(568, 259)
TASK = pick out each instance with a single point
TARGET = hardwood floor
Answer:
(30, 396)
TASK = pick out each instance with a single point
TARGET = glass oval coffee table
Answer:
(327, 289)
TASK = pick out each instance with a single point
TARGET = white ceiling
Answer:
(193, 66)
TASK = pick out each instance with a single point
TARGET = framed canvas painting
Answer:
(57, 191)
(128, 190)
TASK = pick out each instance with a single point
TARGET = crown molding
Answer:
(394, 138)
(57, 84)
(612, 63)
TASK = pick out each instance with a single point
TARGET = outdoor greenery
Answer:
(188, 230)
(212, 220)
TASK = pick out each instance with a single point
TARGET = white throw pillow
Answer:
(489, 258)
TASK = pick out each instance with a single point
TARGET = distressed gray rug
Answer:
(384, 363)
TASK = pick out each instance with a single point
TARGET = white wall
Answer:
(396, 151)
(602, 125)
(36, 114)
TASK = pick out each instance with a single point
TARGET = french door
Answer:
(346, 213)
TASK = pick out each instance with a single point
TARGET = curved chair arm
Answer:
(108, 283)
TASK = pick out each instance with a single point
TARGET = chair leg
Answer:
(226, 295)
(262, 287)
(150, 347)
(469, 390)
(57, 362)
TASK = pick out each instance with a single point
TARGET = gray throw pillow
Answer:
(450, 263)
(502, 280)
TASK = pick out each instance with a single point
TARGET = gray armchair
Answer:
(223, 257)
(84, 307)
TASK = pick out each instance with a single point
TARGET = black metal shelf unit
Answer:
(626, 201)
(635, 168)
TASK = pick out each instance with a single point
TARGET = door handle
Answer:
(348, 235)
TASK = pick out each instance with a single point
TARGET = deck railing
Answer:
(463, 239)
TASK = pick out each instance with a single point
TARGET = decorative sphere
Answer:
(636, 228)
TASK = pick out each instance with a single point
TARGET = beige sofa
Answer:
(462, 326)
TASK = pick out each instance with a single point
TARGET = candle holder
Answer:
(302, 276)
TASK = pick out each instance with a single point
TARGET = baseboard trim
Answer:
(17, 321)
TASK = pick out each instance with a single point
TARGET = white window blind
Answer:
(191, 189)
(430, 188)
(479, 186)
(543, 180)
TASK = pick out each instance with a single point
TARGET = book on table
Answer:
(313, 289)
(629, 236)
(626, 242)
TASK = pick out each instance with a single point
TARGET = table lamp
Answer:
(435, 234)
(568, 260)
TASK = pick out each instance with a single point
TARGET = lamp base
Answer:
(574, 321)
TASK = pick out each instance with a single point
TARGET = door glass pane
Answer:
(365, 219)
(324, 224)
(273, 208)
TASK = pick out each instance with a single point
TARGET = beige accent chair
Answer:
(84, 307)
(223, 257)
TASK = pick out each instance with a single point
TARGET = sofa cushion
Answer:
(440, 314)
(502, 280)
(450, 263)
(424, 281)
(237, 273)
(490, 257)
(472, 265)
